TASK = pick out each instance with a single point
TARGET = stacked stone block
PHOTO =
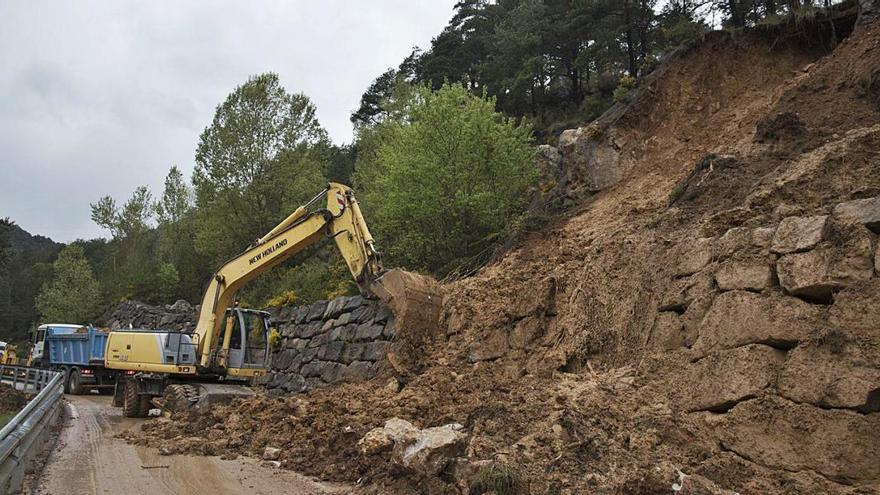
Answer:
(345, 339)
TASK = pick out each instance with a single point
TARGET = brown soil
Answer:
(579, 397)
(11, 400)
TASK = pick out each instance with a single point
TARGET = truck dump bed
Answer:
(80, 348)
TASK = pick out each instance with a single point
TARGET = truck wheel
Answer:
(66, 374)
(74, 384)
(134, 405)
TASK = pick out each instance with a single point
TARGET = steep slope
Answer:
(711, 317)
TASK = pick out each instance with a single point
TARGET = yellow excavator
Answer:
(229, 345)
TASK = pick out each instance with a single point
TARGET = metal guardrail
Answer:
(23, 434)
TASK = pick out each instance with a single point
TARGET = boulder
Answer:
(316, 311)
(856, 310)
(841, 445)
(368, 331)
(734, 241)
(331, 351)
(493, 346)
(864, 212)
(694, 256)
(762, 237)
(816, 275)
(834, 372)
(424, 451)
(668, 332)
(744, 275)
(357, 371)
(797, 234)
(589, 160)
(720, 380)
(375, 351)
(271, 454)
(352, 352)
(737, 318)
(296, 383)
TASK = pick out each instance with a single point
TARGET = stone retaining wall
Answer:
(345, 339)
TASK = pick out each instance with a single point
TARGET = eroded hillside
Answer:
(710, 317)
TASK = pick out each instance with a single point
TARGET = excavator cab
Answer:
(248, 345)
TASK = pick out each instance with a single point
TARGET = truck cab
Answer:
(38, 341)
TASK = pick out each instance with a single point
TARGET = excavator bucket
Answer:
(415, 300)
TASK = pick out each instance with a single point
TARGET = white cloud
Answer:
(99, 97)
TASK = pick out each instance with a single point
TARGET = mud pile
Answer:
(708, 320)
(11, 400)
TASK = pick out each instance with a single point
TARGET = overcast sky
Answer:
(99, 97)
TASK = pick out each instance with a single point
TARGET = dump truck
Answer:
(77, 351)
(229, 346)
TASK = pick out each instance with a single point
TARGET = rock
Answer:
(283, 359)
(737, 318)
(492, 347)
(861, 212)
(316, 311)
(368, 332)
(309, 330)
(735, 240)
(181, 306)
(352, 352)
(877, 260)
(363, 313)
(381, 439)
(426, 452)
(694, 256)
(548, 161)
(525, 332)
(831, 373)
(797, 234)
(589, 160)
(357, 371)
(296, 383)
(375, 351)
(841, 445)
(312, 369)
(763, 236)
(383, 314)
(744, 275)
(331, 351)
(720, 380)
(296, 344)
(815, 275)
(668, 332)
(856, 310)
(271, 454)
(330, 371)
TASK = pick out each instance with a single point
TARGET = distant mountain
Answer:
(22, 240)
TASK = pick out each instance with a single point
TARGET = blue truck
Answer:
(78, 352)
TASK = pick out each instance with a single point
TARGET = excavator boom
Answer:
(341, 219)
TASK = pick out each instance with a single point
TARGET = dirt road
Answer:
(89, 460)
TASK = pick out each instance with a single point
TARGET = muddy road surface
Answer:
(88, 459)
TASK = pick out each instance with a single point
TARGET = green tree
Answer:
(263, 154)
(73, 293)
(447, 180)
(176, 200)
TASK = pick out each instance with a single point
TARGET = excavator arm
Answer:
(341, 219)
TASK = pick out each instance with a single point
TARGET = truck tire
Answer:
(66, 374)
(133, 404)
(74, 383)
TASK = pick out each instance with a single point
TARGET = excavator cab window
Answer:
(256, 350)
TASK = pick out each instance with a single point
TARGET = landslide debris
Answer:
(724, 341)
(11, 400)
